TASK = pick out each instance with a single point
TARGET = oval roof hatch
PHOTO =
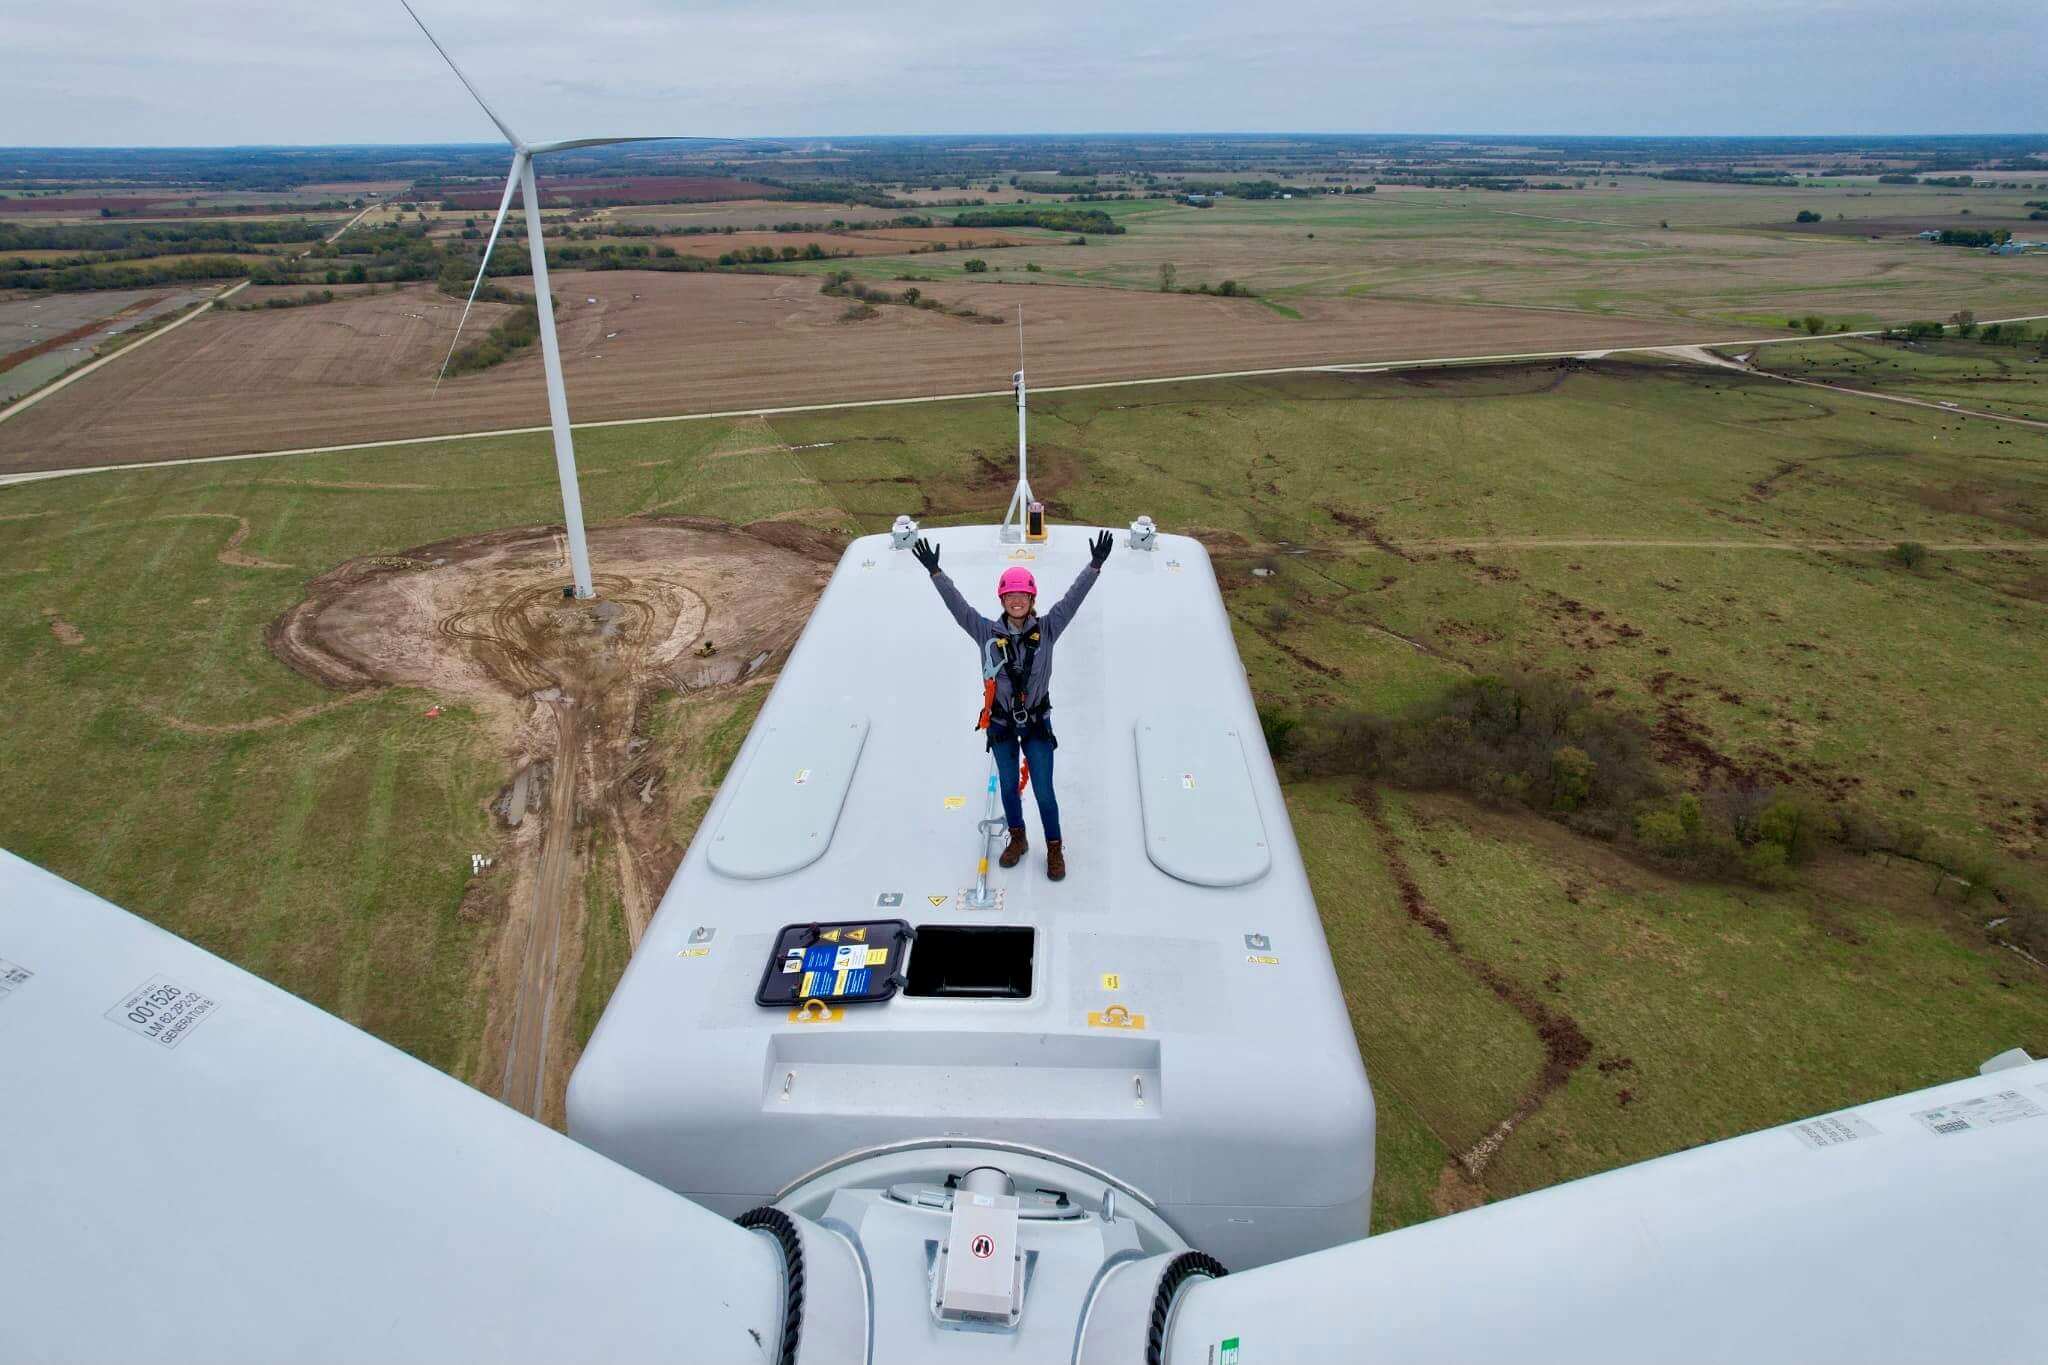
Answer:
(787, 803)
(1202, 822)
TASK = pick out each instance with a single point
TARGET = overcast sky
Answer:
(204, 72)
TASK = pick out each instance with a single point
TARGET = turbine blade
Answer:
(510, 136)
(505, 204)
(537, 148)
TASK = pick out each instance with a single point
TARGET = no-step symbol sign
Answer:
(983, 1245)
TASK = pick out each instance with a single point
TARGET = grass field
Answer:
(1973, 374)
(1728, 254)
(1660, 535)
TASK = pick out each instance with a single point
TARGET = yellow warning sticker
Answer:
(955, 802)
(815, 1012)
(1112, 981)
(1022, 554)
(1116, 1016)
(1262, 960)
(694, 952)
(859, 935)
(938, 900)
(877, 956)
(830, 936)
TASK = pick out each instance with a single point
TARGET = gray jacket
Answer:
(1050, 626)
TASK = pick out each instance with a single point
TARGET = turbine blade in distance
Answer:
(504, 205)
(572, 143)
(510, 136)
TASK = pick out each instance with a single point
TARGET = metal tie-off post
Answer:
(992, 823)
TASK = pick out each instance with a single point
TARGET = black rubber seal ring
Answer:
(1179, 1271)
(782, 1228)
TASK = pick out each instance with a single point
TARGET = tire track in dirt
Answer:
(1565, 1045)
(563, 685)
(526, 1054)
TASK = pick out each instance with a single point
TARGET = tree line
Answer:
(1058, 219)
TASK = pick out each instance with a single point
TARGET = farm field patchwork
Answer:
(740, 214)
(872, 242)
(1699, 550)
(44, 335)
(1605, 252)
(646, 344)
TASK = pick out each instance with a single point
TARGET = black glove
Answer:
(1098, 549)
(927, 554)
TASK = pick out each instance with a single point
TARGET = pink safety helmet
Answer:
(1017, 580)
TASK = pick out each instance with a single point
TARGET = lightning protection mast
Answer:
(1024, 519)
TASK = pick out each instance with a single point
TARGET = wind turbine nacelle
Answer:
(1168, 1014)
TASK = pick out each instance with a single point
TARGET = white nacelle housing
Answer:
(1179, 1024)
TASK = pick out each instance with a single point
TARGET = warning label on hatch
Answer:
(161, 1012)
(12, 977)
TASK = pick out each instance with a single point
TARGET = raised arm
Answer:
(1056, 620)
(973, 622)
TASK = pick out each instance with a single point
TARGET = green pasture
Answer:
(1650, 248)
(2011, 380)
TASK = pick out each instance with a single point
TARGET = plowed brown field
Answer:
(656, 344)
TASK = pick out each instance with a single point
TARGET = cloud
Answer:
(121, 72)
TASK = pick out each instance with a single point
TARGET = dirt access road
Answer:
(1700, 355)
(565, 685)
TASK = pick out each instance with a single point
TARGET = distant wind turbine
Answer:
(523, 154)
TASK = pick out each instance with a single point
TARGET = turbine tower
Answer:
(521, 177)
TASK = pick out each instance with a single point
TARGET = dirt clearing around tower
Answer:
(563, 686)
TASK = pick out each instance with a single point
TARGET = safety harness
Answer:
(1014, 655)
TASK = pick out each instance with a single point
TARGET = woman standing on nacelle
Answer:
(1017, 659)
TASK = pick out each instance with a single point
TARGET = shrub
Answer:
(1788, 826)
(1510, 726)
(1571, 778)
(1766, 865)
(1907, 554)
(1279, 730)
(1660, 833)
(974, 265)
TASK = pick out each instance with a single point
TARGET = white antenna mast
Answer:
(521, 176)
(1020, 501)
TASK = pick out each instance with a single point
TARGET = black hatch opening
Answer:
(977, 961)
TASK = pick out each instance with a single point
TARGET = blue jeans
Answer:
(1037, 749)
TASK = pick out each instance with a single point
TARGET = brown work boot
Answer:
(1015, 848)
(1055, 860)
